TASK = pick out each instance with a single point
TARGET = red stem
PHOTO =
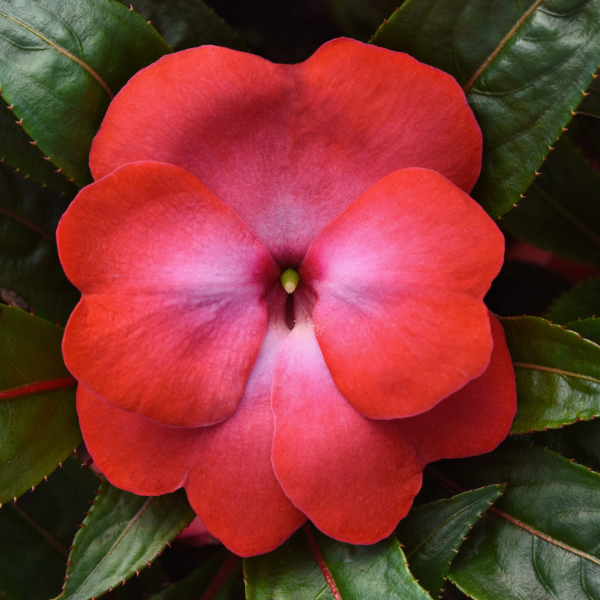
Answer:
(227, 567)
(312, 540)
(41, 386)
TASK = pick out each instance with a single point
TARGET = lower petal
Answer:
(353, 477)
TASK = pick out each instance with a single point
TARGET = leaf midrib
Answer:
(62, 50)
(555, 371)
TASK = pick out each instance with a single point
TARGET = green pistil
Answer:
(289, 280)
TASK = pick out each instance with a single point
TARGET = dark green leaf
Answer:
(187, 23)
(29, 264)
(38, 429)
(587, 328)
(557, 373)
(360, 18)
(523, 288)
(296, 571)
(591, 104)
(122, 533)
(222, 573)
(61, 61)
(561, 210)
(540, 540)
(581, 302)
(432, 534)
(36, 532)
(523, 65)
(16, 149)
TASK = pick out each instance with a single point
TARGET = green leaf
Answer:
(540, 539)
(36, 532)
(17, 150)
(581, 302)
(591, 103)
(587, 328)
(29, 264)
(222, 574)
(432, 534)
(297, 571)
(561, 210)
(61, 62)
(523, 65)
(360, 18)
(187, 23)
(121, 534)
(38, 424)
(557, 373)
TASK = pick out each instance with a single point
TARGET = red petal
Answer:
(399, 314)
(173, 310)
(289, 147)
(233, 486)
(475, 419)
(353, 477)
(226, 468)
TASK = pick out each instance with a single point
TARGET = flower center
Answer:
(289, 280)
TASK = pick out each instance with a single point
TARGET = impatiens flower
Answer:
(217, 173)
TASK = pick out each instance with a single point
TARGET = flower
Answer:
(217, 171)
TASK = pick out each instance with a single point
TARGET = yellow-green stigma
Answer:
(289, 280)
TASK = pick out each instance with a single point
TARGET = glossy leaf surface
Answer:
(561, 210)
(297, 571)
(29, 264)
(582, 302)
(36, 532)
(432, 534)
(543, 531)
(16, 149)
(187, 23)
(557, 373)
(523, 72)
(39, 429)
(221, 576)
(122, 533)
(61, 64)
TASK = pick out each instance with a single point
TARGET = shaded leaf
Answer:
(540, 540)
(29, 264)
(360, 18)
(121, 534)
(587, 328)
(38, 428)
(222, 574)
(61, 61)
(561, 210)
(187, 23)
(557, 374)
(16, 149)
(36, 532)
(432, 534)
(581, 302)
(591, 104)
(522, 288)
(297, 570)
(524, 72)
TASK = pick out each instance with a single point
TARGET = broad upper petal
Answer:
(473, 420)
(289, 147)
(400, 278)
(173, 310)
(353, 477)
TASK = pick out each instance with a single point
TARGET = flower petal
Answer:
(399, 313)
(289, 147)
(353, 477)
(225, 468)
(475, 419)
(173, 310)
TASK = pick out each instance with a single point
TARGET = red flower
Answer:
(216, 171)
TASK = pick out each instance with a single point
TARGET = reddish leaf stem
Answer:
(47, 536)
(28, 224)
(501, 45)
(227, 567)
(314, 546)
(36, 388)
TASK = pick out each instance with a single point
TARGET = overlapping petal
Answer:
(225, 468)
(399, 314)
(289, 147)
(173, 310)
